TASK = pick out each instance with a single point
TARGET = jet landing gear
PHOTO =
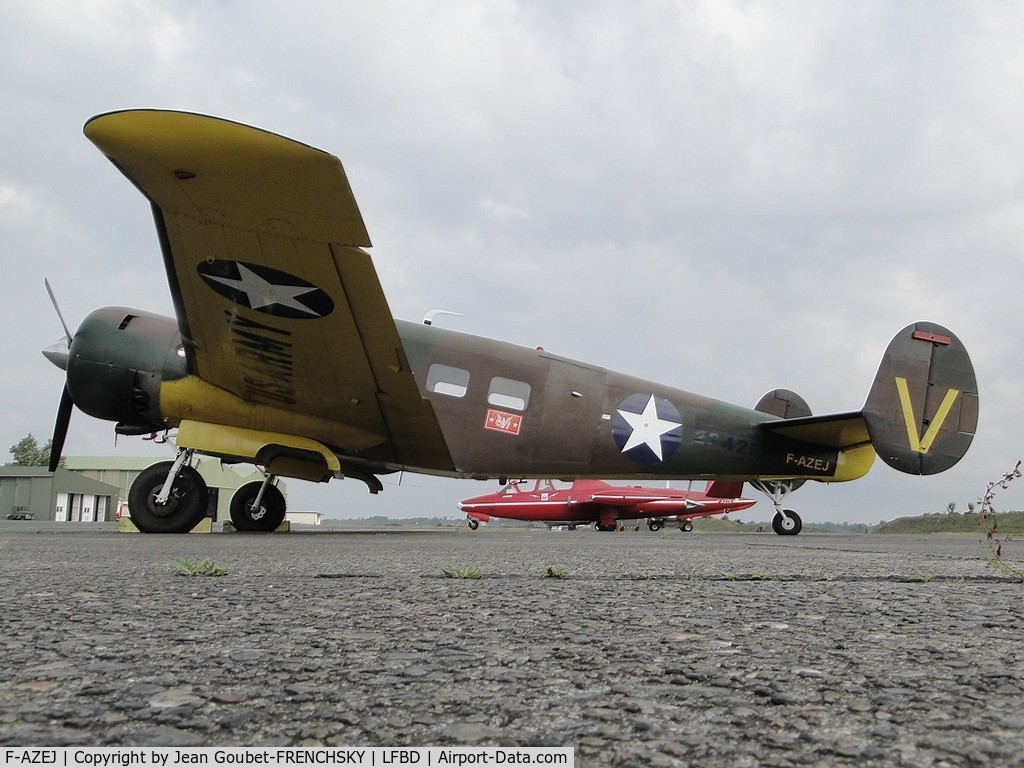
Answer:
(258, 506)
(169, 497)
(786, 522)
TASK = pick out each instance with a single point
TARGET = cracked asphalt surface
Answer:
(653, 649)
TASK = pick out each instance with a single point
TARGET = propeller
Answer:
(60, 427)
(58, 355)
(53, 300)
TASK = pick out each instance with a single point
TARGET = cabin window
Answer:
(447, 380)
(508, 393)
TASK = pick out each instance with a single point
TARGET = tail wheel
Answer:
(185, 506)
(270, 513)
(786, 523)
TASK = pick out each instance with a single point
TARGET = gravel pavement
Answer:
(653, 648)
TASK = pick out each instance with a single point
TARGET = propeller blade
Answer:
(60, 427)
(53, 300)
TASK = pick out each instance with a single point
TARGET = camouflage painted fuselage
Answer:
(503, 410)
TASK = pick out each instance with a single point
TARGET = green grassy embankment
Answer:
(1008, 522)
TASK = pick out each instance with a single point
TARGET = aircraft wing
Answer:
(840, 430)
(616, 496)
(275, 299)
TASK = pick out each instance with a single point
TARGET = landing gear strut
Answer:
(169, 497)
(786, 522)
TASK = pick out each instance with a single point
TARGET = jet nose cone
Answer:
(57, 354)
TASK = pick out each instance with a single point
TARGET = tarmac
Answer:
(642, 649)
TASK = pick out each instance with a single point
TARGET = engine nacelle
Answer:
(118, 358)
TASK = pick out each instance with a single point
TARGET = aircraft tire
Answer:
(787, 523)
(185, 507)
(686, 526)
(267, 517)
(654, 526)
(473, 523)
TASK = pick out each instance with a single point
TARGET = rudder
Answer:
(922, 410)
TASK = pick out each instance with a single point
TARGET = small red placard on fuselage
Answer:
(499, 421)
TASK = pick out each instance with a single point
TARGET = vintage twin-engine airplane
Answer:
(604, 504)
(283, 353)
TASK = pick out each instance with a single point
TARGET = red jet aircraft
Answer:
(595, 501)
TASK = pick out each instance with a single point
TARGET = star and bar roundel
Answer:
(647, 429)
(266, 290)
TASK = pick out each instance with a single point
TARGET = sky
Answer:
(726, 197)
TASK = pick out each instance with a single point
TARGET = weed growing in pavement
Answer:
(923, 578)
(462, 572)
(202, 568)
(992, 547)
(641, 576)
(555, 572)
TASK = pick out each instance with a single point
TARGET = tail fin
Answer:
(922, 409)
(724, 489)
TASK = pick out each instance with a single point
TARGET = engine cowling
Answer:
(117, 359)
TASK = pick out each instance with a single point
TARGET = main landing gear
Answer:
(786, 522)
(258, 506)
(172, 497)
(169, 497)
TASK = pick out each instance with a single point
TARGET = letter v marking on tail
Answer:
(922, 444)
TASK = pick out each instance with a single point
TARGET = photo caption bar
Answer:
(353, 757)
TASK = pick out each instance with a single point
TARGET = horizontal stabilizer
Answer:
(837, 430)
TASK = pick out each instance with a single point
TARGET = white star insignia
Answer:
(263, 293)
(647, 428)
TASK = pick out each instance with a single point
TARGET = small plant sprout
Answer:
(555, 572)
(641, 576)
(202, 568)
(462, 572)
(992, 547)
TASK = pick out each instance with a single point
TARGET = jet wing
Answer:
(622, 496)
(275, 299)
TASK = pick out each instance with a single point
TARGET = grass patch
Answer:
(462, 572)
(202, 568)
